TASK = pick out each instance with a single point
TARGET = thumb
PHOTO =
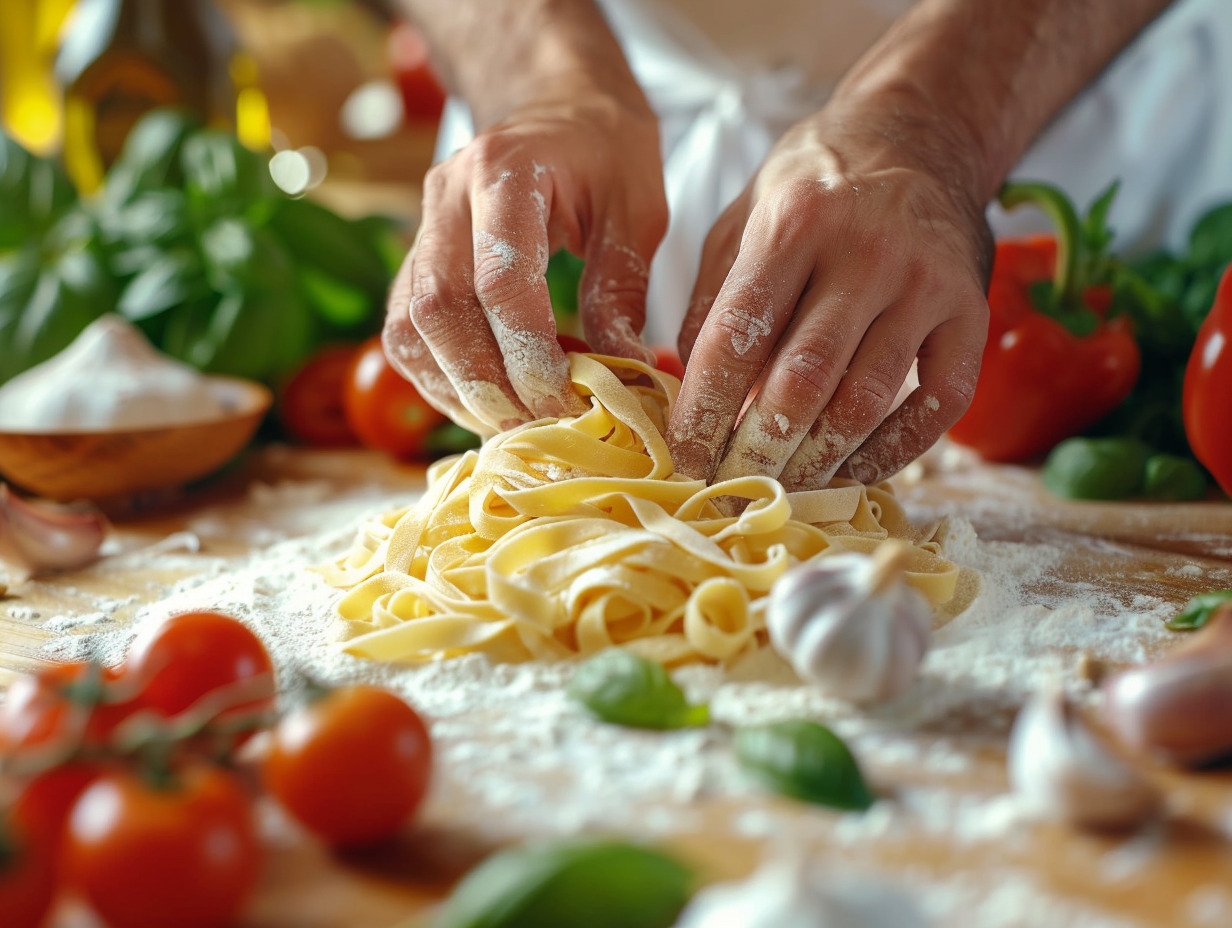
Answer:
(613, 293)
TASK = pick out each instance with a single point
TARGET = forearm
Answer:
(501, 55)
(983, 78)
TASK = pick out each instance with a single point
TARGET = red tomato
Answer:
(384, 409)
(50, 796)
(149, 857)
(310, 403)
(571, 343)
(187, 656)
(351, 766)
(1208, 389)
(27, 868)
(668, 361)
(423, 98)
(39, 707)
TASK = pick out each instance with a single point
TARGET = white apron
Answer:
(727, 77)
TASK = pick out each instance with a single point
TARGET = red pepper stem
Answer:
(1060, 210)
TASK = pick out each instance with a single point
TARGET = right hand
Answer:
(469, 320)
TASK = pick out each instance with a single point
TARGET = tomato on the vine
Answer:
(185, 657)
(310, 402)
(27, 867)
(147, 856)
(351, 765)
(41, 707)
(384, 408)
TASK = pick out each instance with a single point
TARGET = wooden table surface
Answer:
(1177, 873)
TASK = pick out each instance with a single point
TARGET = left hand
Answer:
(854, 251)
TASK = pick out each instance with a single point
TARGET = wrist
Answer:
(970, 84)
(506, 56)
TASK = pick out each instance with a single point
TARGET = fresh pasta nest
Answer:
(564, 537)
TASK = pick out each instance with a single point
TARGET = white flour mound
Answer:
(516, 758)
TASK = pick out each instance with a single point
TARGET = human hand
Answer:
(852, 252)
(469, 320)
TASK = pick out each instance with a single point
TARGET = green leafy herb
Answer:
(1096, 468)
(803, 760)
(569, 884)
(624, 689)
(191, 239)
(564, 280)
(1172, 477)
(1198, 610)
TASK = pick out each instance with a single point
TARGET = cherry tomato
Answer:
(668, 361)
(39, 708)
(423, 98)
(384, 409)
(351, 766)
(148, 857)
(571, 343)
(27, 868)
(49, 797)
(310, 403)
(189, 655)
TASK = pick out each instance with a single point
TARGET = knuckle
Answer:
(497, 281)
(429, 317)
(808, 372)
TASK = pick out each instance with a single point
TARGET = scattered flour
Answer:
(517, 758)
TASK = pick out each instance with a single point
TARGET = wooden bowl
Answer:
(122, 462)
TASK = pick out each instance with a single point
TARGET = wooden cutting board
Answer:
(1174, 875)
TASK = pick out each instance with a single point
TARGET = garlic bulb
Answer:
(851, 624)
(38, 537)
(789, 893)
(1064, 770)
(110, 377)
(1179, 707)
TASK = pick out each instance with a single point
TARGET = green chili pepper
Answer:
(569, 885)
(804, 760)
(1096, 468)
(1198, 610)
(624, 689)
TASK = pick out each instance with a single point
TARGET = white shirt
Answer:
(727, 77)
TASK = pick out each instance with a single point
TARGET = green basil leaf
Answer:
(44, 306)
(1173, 477)
(222, 178)
(321, 239)
(1210, 240)
(564, 281)
(388, 237)
(170, 280)
(258, 334)
(449, 438)
(34, 193)
(150, 158)
(803, 760)
(619, 687)
(339, 304)
(568, 884)
(1096, 468)
(1198, 610)
(154, 217)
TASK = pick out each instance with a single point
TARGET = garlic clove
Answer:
(1179, 707)
(1063, 769)
(38, 537)
(851, 624)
